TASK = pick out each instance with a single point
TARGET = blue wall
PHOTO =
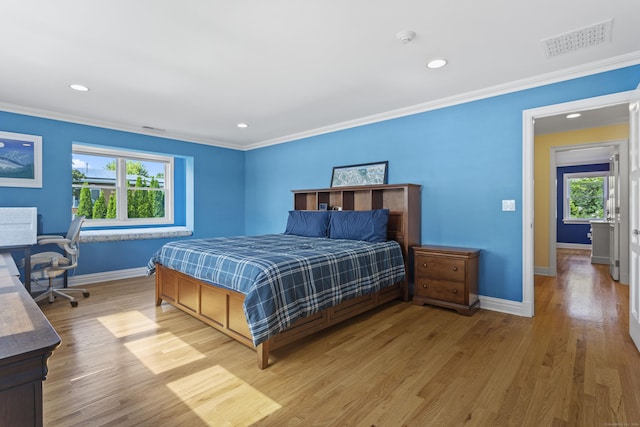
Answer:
(468, 158)
(218, 181)
(572, 233)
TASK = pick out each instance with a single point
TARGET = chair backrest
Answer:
(72, 249)
(73, 233)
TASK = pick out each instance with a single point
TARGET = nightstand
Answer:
(446, 277)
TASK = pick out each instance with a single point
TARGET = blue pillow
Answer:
(370, 226)
(308, 223)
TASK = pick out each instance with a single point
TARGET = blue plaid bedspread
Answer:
(285, 277)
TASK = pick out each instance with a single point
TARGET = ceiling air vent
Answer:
(578, 39)
(154, 129)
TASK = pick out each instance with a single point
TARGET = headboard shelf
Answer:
(402, 200)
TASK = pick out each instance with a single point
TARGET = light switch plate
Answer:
(508, 205)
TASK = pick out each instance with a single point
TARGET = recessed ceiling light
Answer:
(242, 125)
(437, 63)
(573, 115)
(79, 88)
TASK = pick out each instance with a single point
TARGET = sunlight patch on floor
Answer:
(128, 323)
(163, 352)
(220, 398)
(582, 300)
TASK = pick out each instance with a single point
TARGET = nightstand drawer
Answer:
(440, 268)
(441, 290)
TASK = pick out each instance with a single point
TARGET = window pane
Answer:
(145, 203)
(93, 185)
(146, 170)
(117, 187)
(586, 197)
(145, 198)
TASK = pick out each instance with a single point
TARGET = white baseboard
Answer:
(486, 303)
(504, 306)
(87, 279)
(583, 246)
(600, 260)
(543, 271)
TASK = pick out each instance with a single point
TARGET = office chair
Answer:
(49, 265)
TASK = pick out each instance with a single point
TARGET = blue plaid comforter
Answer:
(285, 277)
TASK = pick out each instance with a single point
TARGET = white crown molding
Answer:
(543, 79)
(46, 114)
(518, 85)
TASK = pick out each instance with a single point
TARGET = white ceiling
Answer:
(288, 68)
(613, 115)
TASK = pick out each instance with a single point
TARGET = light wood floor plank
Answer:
(125, 362)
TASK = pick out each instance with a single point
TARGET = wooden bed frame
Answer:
(222, 309)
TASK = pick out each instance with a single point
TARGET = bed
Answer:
(269, 291)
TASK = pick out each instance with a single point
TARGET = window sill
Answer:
(582, 221)
(92, 236)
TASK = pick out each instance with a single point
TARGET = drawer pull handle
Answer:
(455, 291)
(454, 268)
(424, 286)
(424, 265)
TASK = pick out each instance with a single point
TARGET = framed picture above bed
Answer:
(363, 174)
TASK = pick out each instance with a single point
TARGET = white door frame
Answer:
(528, 118)
(634, 201)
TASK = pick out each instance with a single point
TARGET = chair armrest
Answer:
(49, 236)
(58, 240)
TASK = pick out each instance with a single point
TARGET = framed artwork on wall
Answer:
(364, 174)
(20, 160)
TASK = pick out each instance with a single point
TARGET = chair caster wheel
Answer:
(74, 303)
(85, 294)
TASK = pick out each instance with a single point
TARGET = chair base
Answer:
(51, 293)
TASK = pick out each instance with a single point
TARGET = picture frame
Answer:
(20, 160)
(363, 174)
(323, 206)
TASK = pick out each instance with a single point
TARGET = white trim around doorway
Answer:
(528, 119)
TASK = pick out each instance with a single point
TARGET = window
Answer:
(116, 187)
(585, 196)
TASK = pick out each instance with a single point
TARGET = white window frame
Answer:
(566, 218)
(121, 183)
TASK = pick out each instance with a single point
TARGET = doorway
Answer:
(529, 119)
(596, 152)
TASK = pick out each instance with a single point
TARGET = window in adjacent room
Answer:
(116, 187)
(585, 196)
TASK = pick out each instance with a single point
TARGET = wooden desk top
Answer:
(7, 266)
(24, 330)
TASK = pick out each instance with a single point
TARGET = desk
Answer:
(27, 339)
(27, 261)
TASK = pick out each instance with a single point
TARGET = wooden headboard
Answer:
(402, 200)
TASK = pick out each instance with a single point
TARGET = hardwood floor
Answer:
(125, 362)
